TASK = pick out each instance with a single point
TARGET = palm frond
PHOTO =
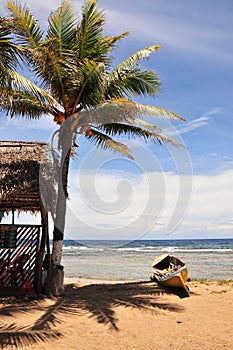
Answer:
(108, 43)
(52, 70)
(90, 91)
(133, 60)
(128, 79)
(113, 129)
(139, 82)
(144, 124)
(23, 103)
(18, 82)
(54, 61)
(121, 110)
(113, 111)
(107, 143)
(135, 109)
(156, 111)
(91, 30)
(8, 51)
(120, 129)
(91, 40)
(62, 27)
(132, 82)
(24, 24)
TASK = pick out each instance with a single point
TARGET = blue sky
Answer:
(164, 193)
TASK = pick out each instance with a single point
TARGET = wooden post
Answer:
(41, 253)
(13, 216)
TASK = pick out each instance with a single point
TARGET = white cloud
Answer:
(181, 30)
(109, 211)
(204, 120)
(143, 211)
(191, 126)
(211, 205)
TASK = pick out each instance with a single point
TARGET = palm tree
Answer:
(80, 90)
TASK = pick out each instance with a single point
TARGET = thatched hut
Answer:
(27, 184)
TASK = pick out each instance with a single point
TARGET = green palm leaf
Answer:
(23, 103)
(121, 110)
(29, 33)
(18, 82)
(144, 124)
(159, 112)
(8, 50)
(113, 129)
(107, 143)
(120, 129)
(62, 27)
(128, 79)
(90, 91)
(132, 82)
(91, 30)
(136, 110)
(107, 43)
(134, 59)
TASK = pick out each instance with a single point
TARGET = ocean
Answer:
(120, 260)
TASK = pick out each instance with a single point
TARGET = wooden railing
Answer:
(19, 264)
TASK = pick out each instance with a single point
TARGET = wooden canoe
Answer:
(170, 271)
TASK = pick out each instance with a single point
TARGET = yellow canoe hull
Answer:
(170, 271)
(177, 280)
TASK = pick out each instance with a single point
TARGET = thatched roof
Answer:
(26, 175)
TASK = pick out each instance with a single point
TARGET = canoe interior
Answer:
(167, 261)
(170, 271)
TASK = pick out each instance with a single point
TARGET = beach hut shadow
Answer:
(99, 301)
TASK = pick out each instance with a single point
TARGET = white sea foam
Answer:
(174, 249)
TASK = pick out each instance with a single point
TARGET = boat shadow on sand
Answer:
(98, 301)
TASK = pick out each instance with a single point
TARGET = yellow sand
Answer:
(122, 316)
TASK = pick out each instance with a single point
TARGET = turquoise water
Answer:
(121, 260)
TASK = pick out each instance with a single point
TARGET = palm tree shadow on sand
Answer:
(96, 300)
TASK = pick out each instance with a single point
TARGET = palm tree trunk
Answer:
(59, 223)
(54, 285)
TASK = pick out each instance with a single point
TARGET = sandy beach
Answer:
(129, 315)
